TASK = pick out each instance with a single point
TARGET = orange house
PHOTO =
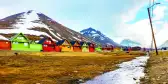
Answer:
(76, 46)
(5, 45)
(65, 45)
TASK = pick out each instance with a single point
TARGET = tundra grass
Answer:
(57, 68)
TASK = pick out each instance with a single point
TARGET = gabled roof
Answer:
(60, 42)
(12, 38)
(82, 43)
(33, 42)
(89, 43)
(73, 43)
(44, 39)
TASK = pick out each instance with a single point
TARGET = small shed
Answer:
(91, 47)
(48, 44)
(20, 42)
(76, 46)
(35, 46)
(65, 45)
(98, 48)
(84, 46)
(5, 45)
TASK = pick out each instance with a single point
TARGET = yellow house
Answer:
(65, 45)
(117, 49)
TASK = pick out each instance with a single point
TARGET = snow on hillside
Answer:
(36, 26)
(97, 36)
(3, 38)
(26, 21)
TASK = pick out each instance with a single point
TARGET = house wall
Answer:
(5, 45)
(48, 48)
(57, 48)
(36, 47)
(85, 49)
(91, 49)
(20, 46)
(77, 49)
(98, 49)
(66, 48)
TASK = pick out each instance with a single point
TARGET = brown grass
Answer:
(56, 68)
(157, 69)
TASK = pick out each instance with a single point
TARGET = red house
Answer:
(48, 44)
(91, 47)
(107, 48)
(5, 45)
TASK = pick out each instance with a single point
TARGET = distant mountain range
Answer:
(35, 26)
(128, 42)
(98, 37)
(165, 44)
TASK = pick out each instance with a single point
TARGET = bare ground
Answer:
(57, 68)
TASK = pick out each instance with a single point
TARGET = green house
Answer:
(84, 46)
(20, 42)
(98, 48)
(35, 46)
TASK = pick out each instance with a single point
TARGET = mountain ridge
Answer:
(97, 36)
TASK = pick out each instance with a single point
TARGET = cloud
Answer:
(159, 12)
(140, 31)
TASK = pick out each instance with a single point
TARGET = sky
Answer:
(117, 19)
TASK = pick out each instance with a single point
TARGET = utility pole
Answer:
(153, 36)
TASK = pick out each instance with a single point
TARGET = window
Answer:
(25, 44)
(20, 38)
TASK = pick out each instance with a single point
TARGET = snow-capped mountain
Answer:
(36, 25)
(165, 44)
(128, 42)
(97, 36)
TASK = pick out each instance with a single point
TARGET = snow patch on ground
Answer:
(129, 73)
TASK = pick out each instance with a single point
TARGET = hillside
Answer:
(97, 36)
(36, 26)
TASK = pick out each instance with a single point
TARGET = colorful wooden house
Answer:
(48, 44)
(5, 45)
(76, 46)
(117, 48)
(20, 42)
(91, 47)
(35, 46)
(84, 47)
(98, 48)
(65, 45)
(107, 48)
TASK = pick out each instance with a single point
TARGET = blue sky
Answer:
(113, 18)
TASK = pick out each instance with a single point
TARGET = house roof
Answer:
(12, 38)
(81, 43)
(43, 40)
(73, 42)
(60, 42)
